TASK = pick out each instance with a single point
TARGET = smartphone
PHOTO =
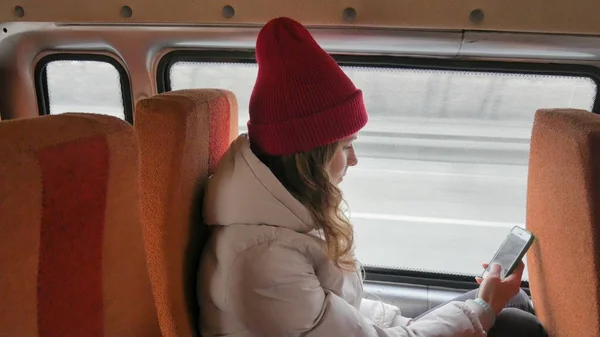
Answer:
(511, 251)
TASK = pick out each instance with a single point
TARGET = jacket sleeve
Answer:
(382, 314)
(274, 291)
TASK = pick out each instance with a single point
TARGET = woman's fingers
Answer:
(517, 275)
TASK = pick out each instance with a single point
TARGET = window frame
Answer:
(379, 274)
(41, 79)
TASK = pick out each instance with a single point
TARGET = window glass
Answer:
(84, 86)
(442, 171)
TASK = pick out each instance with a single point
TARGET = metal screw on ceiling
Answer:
(228, 11)
(476, 16)
(349, 14)
(126, 12)
(19, 11)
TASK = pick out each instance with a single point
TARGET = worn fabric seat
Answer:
(72, 258)
(182, 135)
(563, 211)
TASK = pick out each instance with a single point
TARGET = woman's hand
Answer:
(497, 292)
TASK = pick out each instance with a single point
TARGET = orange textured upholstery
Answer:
(182, 134)
(563, 211)
(72, 258)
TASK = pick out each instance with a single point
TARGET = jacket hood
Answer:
(244, 191)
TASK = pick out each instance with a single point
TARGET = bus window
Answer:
(81, 85)
(442, 173)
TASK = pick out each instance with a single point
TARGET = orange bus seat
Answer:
(182, 135)
(72, 258)
(563, 212)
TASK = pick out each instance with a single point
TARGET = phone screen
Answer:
(508, 253)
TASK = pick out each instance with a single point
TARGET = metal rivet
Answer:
(349, 14)
(476, 16)
(228, 11)
(126, 12)
(19, 11)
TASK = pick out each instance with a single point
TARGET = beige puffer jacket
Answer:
(264, 271)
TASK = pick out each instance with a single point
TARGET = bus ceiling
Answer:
(533, 16)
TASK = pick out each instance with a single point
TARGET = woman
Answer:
(280, 259)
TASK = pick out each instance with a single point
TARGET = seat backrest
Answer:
(563, 212)
(182, 135)
(72, 258)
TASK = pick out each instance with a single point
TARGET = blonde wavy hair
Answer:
(305, 176)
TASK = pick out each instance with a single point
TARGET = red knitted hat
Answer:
(302, 99)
